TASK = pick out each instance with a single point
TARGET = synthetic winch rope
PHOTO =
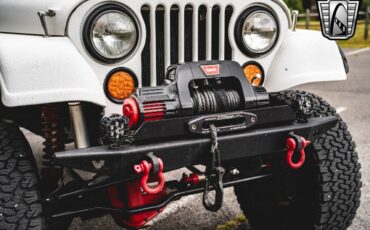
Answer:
(211, 100)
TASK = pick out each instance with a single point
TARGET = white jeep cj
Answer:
(146, 87)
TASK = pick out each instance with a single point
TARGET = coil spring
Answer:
(52, 130)
(211, 100)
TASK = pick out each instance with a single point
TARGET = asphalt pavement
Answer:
(351, 98)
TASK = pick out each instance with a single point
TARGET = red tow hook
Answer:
(296, 144)
(144, 168)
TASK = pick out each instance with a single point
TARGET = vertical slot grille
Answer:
(202, 25)
(228, 50)
(188, 33)
(159, 25)
(215, 32)
(176, 34)
(145, 55)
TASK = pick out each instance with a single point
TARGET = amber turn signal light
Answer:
(254, 73)
(120, 84)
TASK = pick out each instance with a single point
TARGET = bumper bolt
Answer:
(234, 172)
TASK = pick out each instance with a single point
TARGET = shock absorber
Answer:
(52, 131)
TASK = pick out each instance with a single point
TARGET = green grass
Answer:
(357, 41)
(232, 224)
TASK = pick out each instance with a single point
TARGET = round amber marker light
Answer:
(120, 85)
(254, 74)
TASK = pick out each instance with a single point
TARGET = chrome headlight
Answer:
(110, 33)
(256, 31)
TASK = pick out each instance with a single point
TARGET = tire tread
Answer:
(336, 167)
(20, 200)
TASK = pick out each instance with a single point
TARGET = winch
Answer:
(212, 97)
(196, 88)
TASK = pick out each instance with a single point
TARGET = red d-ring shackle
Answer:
(291, 144)
(144, 168)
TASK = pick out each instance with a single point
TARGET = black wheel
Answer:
(20, 200)
(323, 194)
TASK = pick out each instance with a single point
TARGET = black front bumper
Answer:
(195, 150)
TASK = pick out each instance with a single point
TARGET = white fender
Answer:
(37, 70)
(305, 56)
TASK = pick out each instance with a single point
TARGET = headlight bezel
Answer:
(89, 24)
(238, 31)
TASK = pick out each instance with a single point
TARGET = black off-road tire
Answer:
(323, 194)
(20, 200)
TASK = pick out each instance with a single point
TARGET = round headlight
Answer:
(257, 31)
(110, 33)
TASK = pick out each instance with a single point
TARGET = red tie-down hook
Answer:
(144, 168)
(296, 144)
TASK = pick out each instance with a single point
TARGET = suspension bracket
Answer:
(296, 145)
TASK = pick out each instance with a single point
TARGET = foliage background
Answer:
(295, 4)
(298, 4)
(366, 2)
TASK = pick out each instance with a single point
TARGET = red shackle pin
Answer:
(144, 168)
(296, 144)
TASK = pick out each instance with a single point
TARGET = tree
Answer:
(296, 4)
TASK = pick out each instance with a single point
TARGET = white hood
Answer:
(20, 16)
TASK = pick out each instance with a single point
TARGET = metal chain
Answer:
(214, 175)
